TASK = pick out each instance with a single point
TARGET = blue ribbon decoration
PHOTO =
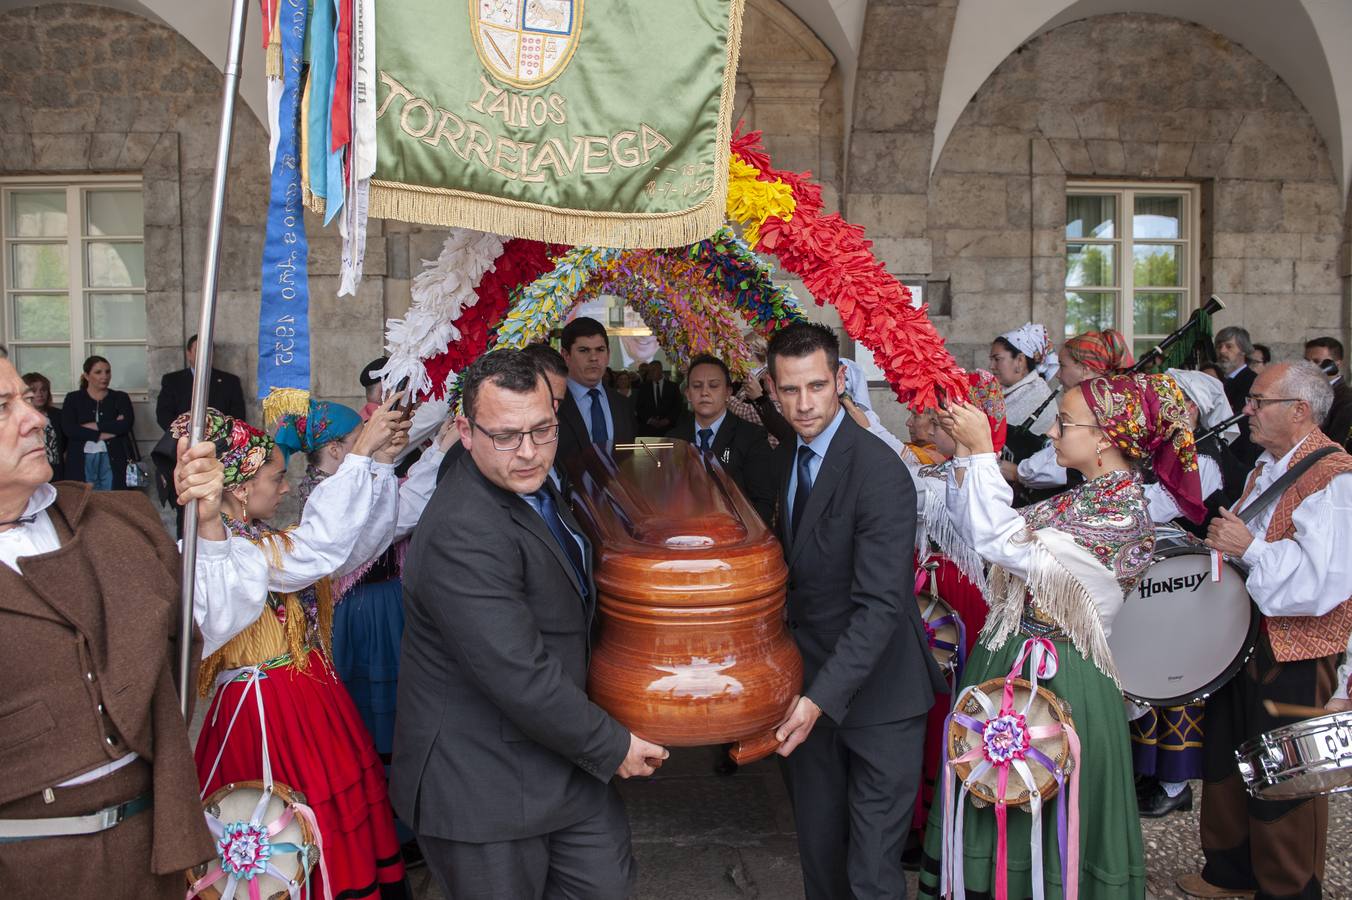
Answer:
(333, 159)
(284, 311)
(323, 41)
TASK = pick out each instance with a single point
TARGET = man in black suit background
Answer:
(854, 739)
(1233, 349)
(225, 392)
(657, 401)
(1337, 425)
(739, 446)
(501, 763)
(589, 413)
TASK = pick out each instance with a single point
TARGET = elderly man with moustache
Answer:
(98, 793)
(501, 763)
(853, 740)
(1293, 537)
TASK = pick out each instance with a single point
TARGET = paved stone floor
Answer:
(701, 836)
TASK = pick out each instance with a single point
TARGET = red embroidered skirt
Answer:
(319, 746)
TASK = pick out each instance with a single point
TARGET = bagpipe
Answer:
(1198, 324)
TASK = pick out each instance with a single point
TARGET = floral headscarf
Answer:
(322, 424)
(987, 395)
(242, 448)
(1033, 341)
(1146, 417)
(1105, 352)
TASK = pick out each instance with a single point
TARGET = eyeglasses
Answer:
(1257, 402)
(511, 440)
(1063, 423)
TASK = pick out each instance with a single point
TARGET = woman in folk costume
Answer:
(958, 574)
(1060, 572)
(368, 618)
(1023, 360)
(1083, 356)
(266, 617)
(1166, 742)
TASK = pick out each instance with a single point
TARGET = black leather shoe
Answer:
(1159, 804)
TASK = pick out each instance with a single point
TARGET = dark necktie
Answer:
(599, 435)
(802, 489)
(706, 439)
(550, 513)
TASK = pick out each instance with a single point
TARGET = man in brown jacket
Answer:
(98, 792)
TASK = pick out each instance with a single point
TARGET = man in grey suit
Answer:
(853, 740)
(501, 763)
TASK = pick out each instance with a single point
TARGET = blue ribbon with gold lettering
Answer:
(284, 313)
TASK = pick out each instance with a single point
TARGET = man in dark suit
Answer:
(501, 763)
(1233, 349)
(1337, 425)
(225, 392)
(589, 413)
(853, 740)
(657, 402)
(739, 446)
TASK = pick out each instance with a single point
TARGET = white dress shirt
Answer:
(1310, 573)
(1041, 470)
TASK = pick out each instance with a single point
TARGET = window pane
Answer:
(41, 266)
(37, 213)
(1157, 265)
(116, 265)
(1089, 311)
(1090, 265)
(1090, 217)
(117, 317)
(1155, 314)
(114, 213)
(54, 362)
(41, 317)
(1157, 217)
(129, 365)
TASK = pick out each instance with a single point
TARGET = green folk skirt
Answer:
(1112, 859)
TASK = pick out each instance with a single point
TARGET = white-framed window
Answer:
(1131, 258)
(73, 274)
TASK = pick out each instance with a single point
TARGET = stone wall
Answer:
(1123, 97)
(1135, 97)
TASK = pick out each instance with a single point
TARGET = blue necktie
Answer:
(550, 513)
(802, 489)
(706, 439)
(599, 435)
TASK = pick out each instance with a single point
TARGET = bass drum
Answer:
(1180, 635)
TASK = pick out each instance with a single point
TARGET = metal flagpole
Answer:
(206, 327)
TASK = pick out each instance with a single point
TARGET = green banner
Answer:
(599, 122)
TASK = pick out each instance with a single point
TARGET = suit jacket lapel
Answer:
(570, 417)
(829, 475)
(726, 432)
(529, 519)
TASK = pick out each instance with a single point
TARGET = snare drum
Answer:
(1306, 759)
(278, 863)
(1180, 635)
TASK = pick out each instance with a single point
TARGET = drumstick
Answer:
(1294, 710)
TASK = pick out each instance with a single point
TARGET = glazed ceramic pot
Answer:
(693, 647)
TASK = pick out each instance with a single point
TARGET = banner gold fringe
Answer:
(497, 215)
(281, 401)
(273, 57)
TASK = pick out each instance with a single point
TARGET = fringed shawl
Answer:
(1088, 548)
(936, 527)
(290, 624)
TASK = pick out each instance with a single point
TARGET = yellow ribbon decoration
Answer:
(752, 201)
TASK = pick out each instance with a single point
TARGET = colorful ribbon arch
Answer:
(484, 294)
